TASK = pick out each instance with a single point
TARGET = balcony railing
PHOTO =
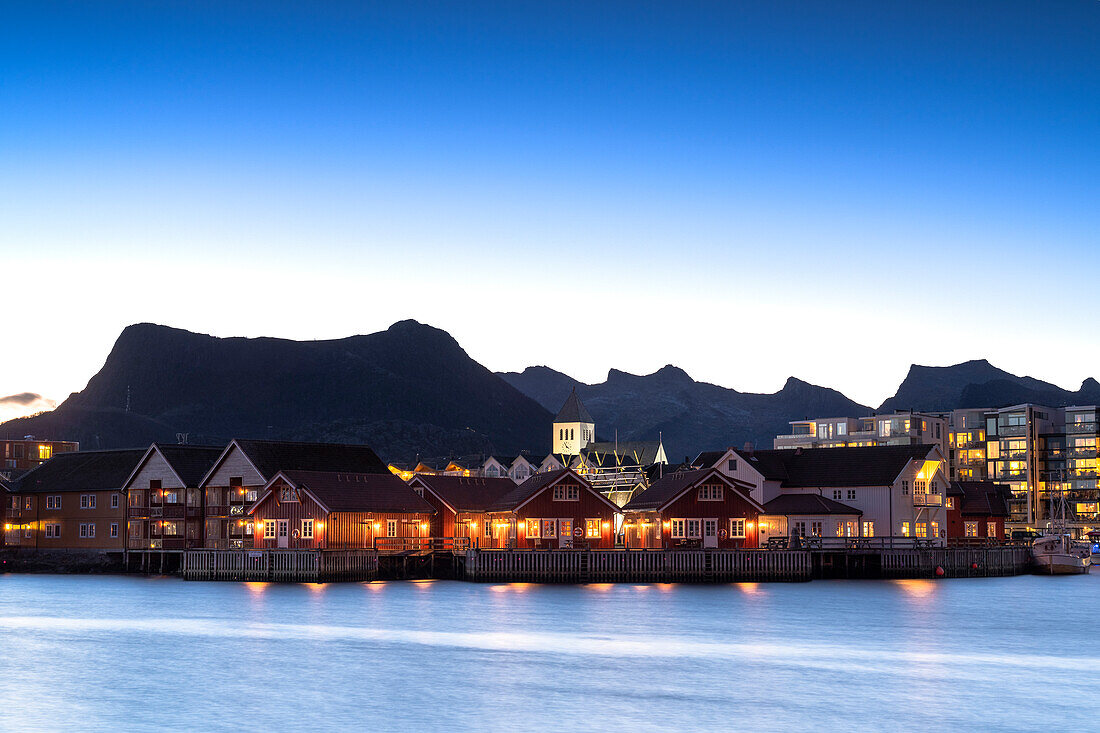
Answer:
(927, 500)
(1081, 427)
(1011, 430)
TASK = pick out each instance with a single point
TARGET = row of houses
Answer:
(272, 494)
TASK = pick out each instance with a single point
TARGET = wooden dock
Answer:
(637, 566)
(291, 566)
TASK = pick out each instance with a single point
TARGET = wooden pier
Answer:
(637, 566)
(293, 566)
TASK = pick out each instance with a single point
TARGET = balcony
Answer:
(1082, 453)
(927, 500)
(1081, 427)
(1008, 431)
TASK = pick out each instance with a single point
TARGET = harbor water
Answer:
(145, 654)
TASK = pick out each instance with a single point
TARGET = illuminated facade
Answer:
(899, 428)
(26, 454)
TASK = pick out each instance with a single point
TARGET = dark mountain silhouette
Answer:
(690, 415)
(407, 390)
(979, 384)
(412, 390)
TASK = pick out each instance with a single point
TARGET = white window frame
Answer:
(114, 529)
(567, 493)
(868, 529)
(737, 528)
(970, 529)
(694, 529)
(269, 529)
(548, 529)
(391, 528)
(307, 529)
(114, 501)
(679, 529)
(53, 530)
(588, 531)
(991, 529)
(534, 529)
(817, 526)
(710, 492)
(851, 495)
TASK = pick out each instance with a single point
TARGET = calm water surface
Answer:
(123, 653)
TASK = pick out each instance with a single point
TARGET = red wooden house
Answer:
(557, 509)
(977, 510)
(335, 510)
(700, 508)
(461, 504)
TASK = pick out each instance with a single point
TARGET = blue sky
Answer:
(830, 190)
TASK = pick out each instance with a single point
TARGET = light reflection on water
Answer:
(146, 654)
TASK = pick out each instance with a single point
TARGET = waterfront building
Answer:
(897, 489)
(461, 505)
(897, 428)
(329, 510)
(977, 510)
(808, 515)
(693, 508)
(163, 498)
(558, 509)
(25, 454)
(74, 501)
(244, 469)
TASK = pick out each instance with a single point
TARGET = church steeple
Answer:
(574, 428)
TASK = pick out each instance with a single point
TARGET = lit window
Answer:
(307, 529)
(592, 529)
(815, 528)
(391, 527)
(970, 529)
(990, 529)
(935, 529)
(45, 452)
(905, 529)
(737, 529)
(922, 530)
(950, 502)
(549, 529)
(532, 529)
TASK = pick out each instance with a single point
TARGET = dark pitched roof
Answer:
(813, 467)
(271, 456)
(665, 489)
(81, 471)
(468, 494)
(532, 486)
(573, 410)
(190, 462)
(981, 498)
(786, 504)
(708, 458)
(360, 492)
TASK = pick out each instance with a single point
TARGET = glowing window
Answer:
(592, 529)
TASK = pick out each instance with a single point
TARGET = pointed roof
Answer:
(81, 471)
(573, 410)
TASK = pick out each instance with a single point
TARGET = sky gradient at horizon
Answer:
(748, 191)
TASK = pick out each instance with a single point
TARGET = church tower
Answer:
(573, 427)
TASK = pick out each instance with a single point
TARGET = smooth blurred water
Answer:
(127, 653)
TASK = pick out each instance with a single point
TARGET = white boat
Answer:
(1057, 554)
